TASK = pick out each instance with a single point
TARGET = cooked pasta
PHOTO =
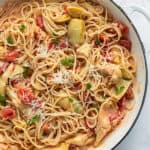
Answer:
(66, 74)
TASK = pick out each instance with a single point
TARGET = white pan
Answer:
(114, 138)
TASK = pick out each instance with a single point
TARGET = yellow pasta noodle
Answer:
(66, 74)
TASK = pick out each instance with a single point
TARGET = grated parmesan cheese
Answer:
(61, 77)
(35, 110)
(42, 51)
(93, 72)
(26, 64)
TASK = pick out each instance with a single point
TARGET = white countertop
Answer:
(139, 137)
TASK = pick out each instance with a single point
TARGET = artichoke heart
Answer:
(62, 146)
(84, 49)
(67, 105)
(62, 19)
(13, 96)
(4, 78)
(76, 30)
(127, 74)
(76, 11)
(80, 139)
(17, 71)
(104, 125)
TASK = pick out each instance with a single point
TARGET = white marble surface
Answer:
(139, 137)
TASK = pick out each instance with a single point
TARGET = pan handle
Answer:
(130, 9)
(136, 8)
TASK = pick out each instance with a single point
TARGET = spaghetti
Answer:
(66, 74)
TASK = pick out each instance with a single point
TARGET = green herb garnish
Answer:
(55, 41)
(34, 119)
(68, 61)
(119, 90)
(2, 100)
(97, 41)
(71, 100)
(22, 28)
(88, 86)
(104, 97)
(10, 40)
(76, 109)
(27, 71)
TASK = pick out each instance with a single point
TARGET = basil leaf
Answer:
(71, 59)
(10, 40)
(2, 100)
(104, 97)
(68, 61)
(97, 41)
(34, 119)
(55, 41)
(27, 71)
(76, 109)
(88, 86)
(119, 90)
(22, 28)
(71, 100)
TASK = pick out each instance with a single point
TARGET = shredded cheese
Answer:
(61, 77)
(93, 72)
(42, 51)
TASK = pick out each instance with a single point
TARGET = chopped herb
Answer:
(119, 90)
(104, 97)
(76, 109)
(22, 28)
(27, 71)
(55, 41)
(88, 86)
(10, 40)
(34, 119)
(68, 61)
(97, 41)
(2, 100)
(70, 100)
